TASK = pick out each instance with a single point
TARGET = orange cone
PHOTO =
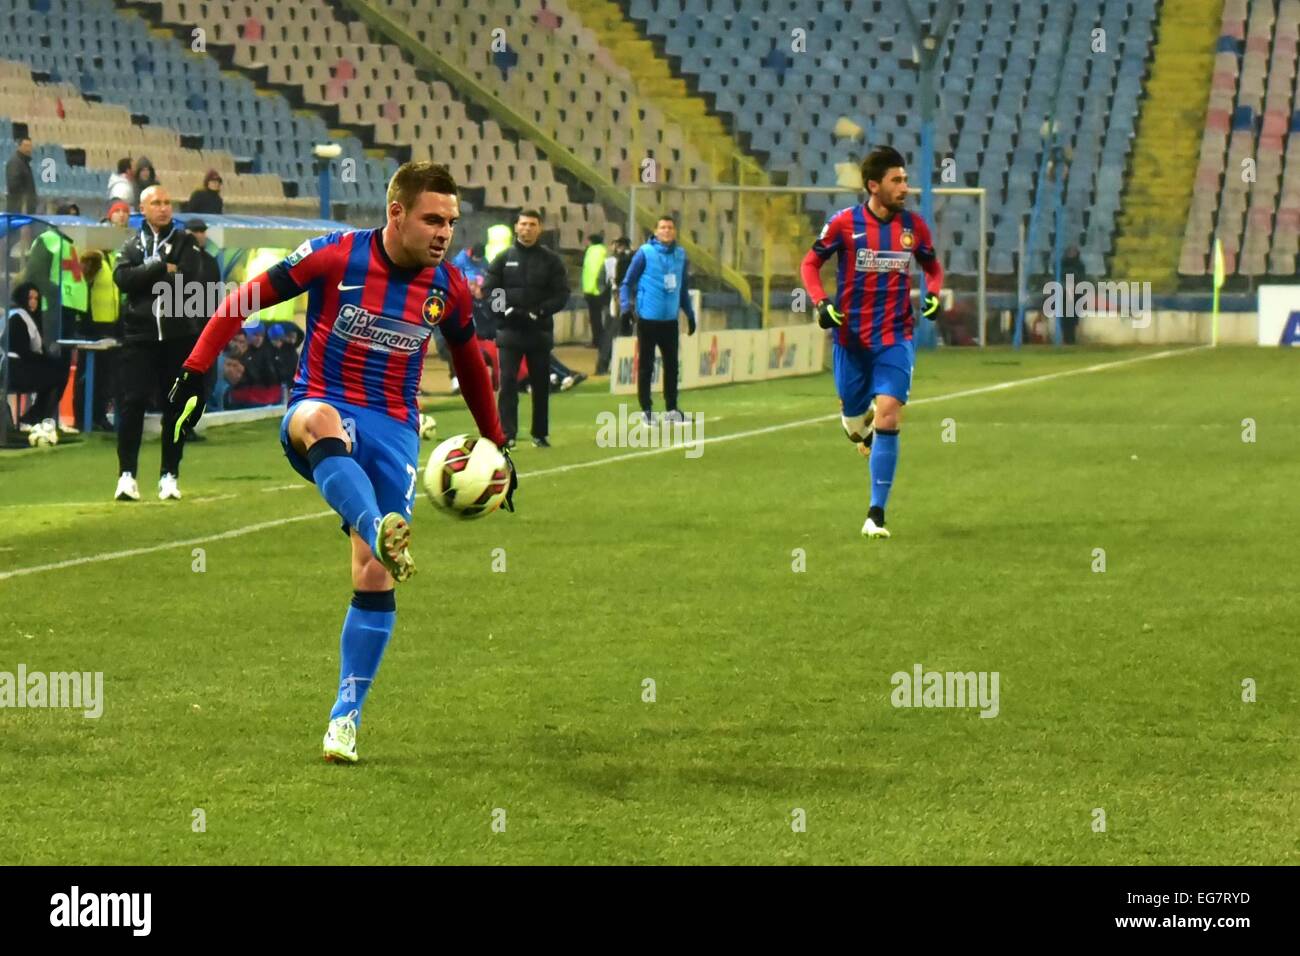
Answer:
(67, 411)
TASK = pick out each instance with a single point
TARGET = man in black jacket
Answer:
(526, 285)
(20, 184)
(153, 270)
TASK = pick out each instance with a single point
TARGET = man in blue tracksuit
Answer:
(656, 286)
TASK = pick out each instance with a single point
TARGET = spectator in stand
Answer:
(284, 345)
(143, 177)
(20, 183)
(119, 213)
(232, 369)
(30, 369)
(207, 198)
(260, 383)
(120, 185)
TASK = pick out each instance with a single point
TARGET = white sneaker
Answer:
(127, 489)
(567, 382)
(340, 744)
(167, 488)
(873, 530)
(455, 385)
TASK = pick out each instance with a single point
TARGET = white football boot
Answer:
(167, 488)
(127, 489)
(873, 530)
(340, 744)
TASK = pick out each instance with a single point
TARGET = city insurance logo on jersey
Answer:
(878, 260)
(389, 334)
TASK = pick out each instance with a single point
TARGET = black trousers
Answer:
(596, 316)
(145, 372)
(650, 335)
(45, 376)
(538, 352)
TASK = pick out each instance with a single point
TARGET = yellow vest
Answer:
(65, 271)
(105, 297)
(499, 238)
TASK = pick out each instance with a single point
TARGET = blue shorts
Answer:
(387, 450)
(862, 374)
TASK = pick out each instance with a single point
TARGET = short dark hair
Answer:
(529, 214)
(597, 238)
(666, 217)
(878, 161)
(124, 164)
(411, 179)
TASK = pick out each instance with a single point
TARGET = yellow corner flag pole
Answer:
(1218, 281)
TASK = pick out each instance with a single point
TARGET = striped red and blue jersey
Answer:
(369, 320)
(874, 291)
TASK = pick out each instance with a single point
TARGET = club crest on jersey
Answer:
(382, 332)
(435, 307)
(905, 239)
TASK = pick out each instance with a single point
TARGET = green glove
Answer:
(186, 402)
(931, 308)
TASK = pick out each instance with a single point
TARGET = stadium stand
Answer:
(336, 66)
(101, 52)
(58, 119)
(995, 95)
(1248, 177)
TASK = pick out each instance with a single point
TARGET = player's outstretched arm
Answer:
(187, 398)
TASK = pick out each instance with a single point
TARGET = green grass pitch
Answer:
(522, 691)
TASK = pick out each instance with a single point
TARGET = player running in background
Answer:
(872, 314)
(352, 427)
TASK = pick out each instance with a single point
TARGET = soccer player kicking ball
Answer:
(872, 314)
(352, 428)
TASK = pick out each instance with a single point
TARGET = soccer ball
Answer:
(467, 477)
(428, 427)
(43, 434)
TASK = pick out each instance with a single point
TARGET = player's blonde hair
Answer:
(411, 179)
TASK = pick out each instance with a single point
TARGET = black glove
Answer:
(931, 308)
(186, 401)
(828, 317)
(690, 326)
(509, 503)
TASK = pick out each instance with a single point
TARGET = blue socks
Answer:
(884, 459)
(366, 630)
(344, 486)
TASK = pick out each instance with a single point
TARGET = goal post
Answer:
(762, 232)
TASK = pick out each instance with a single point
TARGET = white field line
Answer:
(611, 459)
